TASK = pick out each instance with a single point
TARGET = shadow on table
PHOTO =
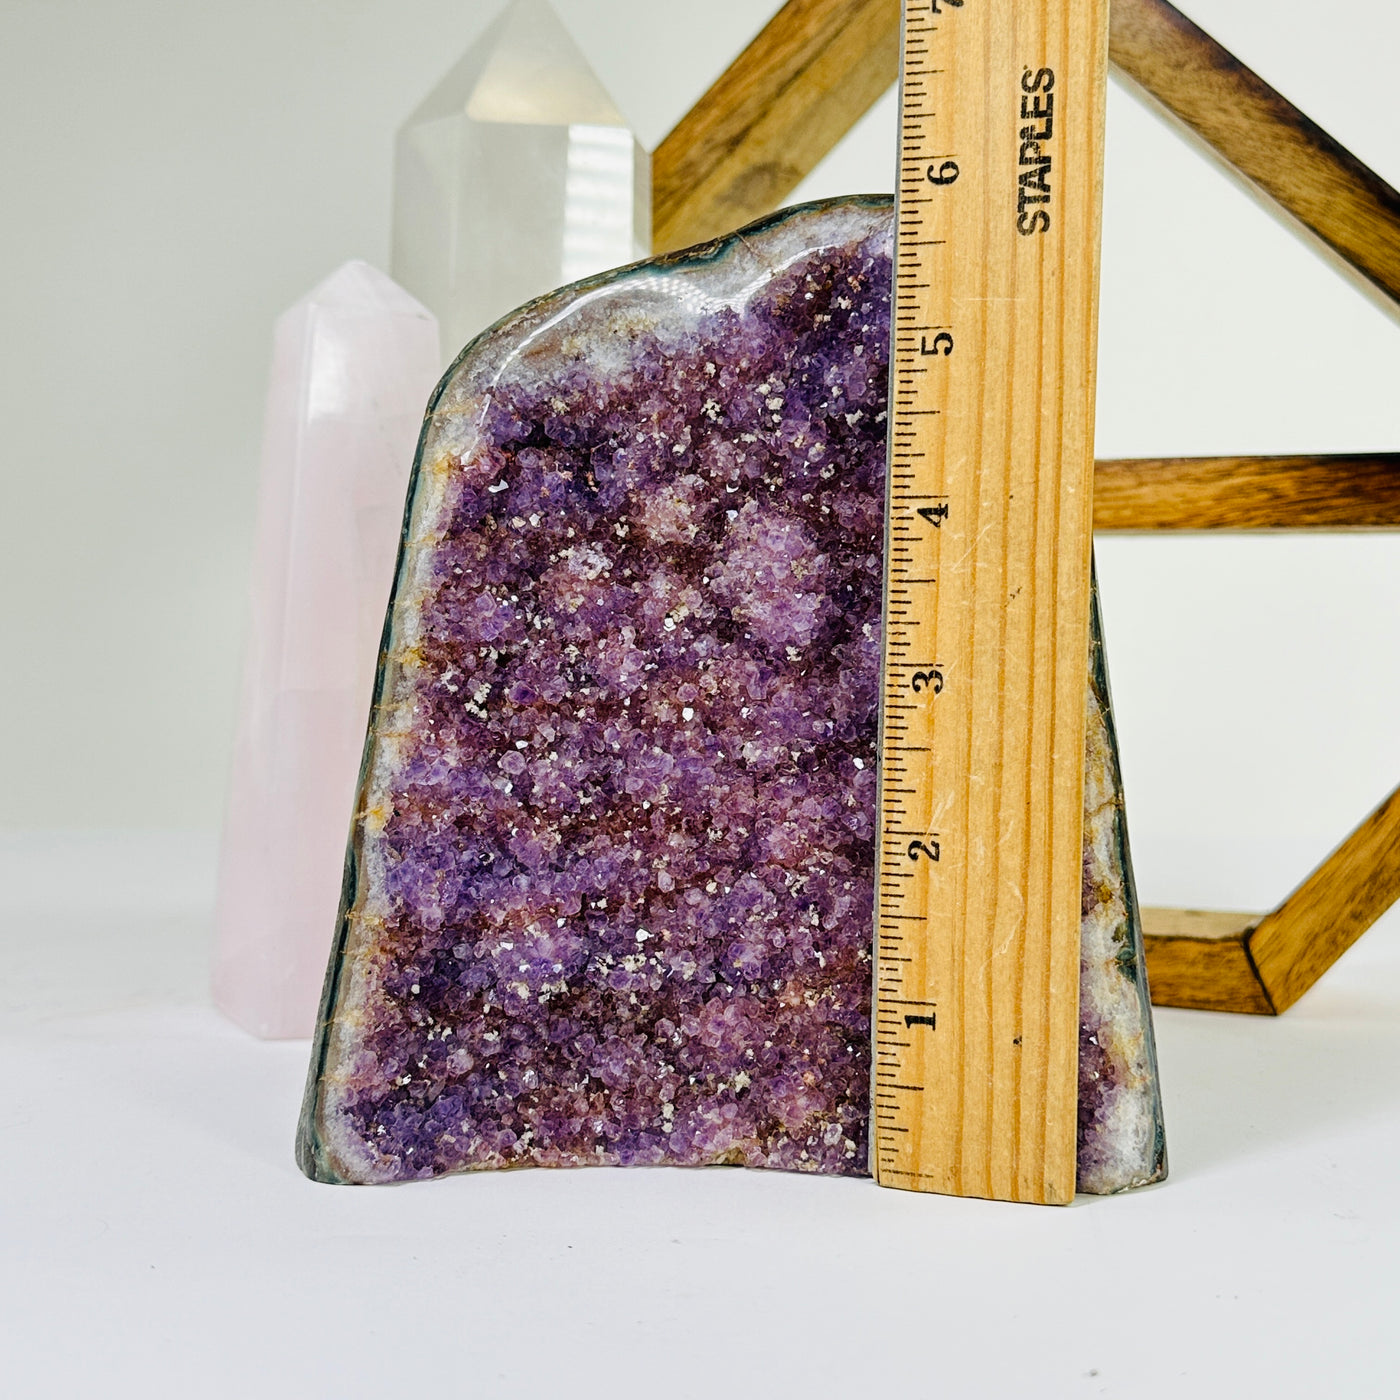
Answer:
(1236, 1086)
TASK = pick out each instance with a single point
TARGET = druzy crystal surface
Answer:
(609, 892)
(1122, 1141)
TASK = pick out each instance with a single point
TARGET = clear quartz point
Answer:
(517, 174)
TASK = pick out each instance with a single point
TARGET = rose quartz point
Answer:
(353, 364)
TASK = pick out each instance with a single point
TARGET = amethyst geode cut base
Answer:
(609, 890)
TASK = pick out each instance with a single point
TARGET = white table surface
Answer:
(157, 1238)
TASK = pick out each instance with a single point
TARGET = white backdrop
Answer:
(177, 172)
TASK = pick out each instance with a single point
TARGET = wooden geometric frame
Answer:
(811, 74)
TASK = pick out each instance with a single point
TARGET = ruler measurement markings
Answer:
(986, 1128)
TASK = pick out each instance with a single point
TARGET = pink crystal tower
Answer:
(353, 364)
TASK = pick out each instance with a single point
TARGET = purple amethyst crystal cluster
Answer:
(609, 892)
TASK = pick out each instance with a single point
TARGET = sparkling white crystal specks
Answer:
(609, 891)
(1122, 1141)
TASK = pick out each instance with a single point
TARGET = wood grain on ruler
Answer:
(1352, 492)
(807, 78)
(986, 631)
(1262, 136)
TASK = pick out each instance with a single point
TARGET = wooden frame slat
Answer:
(1358, 491)
(1200, 960)
(815, 69)
(1261, 136)
(1262, 964)
(1331, 909)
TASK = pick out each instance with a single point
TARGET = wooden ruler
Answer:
(987, 577)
